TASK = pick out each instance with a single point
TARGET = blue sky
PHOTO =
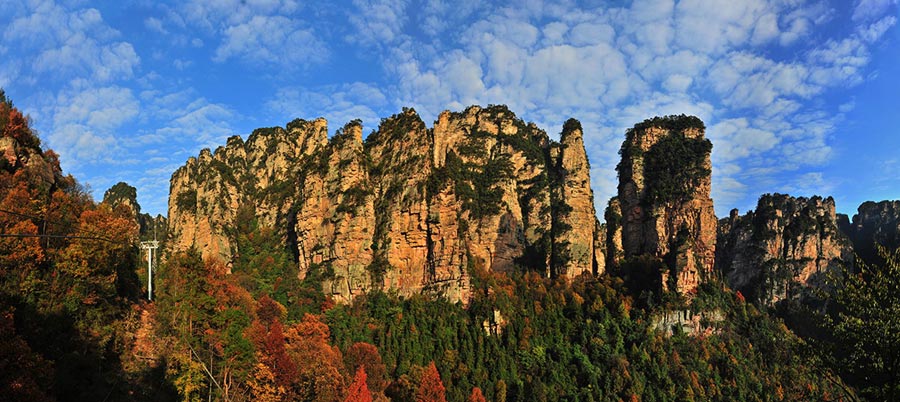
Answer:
(798, 96)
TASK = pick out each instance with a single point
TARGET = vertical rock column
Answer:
(575, 214)
(664, 192)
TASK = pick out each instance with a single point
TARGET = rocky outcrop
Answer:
(615, 251)
(410, 208)
(664, 196)
(785, 246)
(875, 224)
(206, 193)
(335, 213)
(688, 322)
(576, 216)
(123, 195)
(599, 247)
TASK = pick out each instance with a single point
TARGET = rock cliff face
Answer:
(666, 209)
(875, 223)
(122, 195)
(206, 193)
(615, 251)
(787, 244)
(410, 208)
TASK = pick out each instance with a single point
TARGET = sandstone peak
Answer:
(664, 194)
(571, 132)
(787, 244)
(875, 224)
(410, 208)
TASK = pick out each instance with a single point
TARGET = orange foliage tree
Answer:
(476, 396)
(431, 389)
(319, 364)
(267, 333)
(359, 391)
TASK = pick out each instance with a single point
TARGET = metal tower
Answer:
(151, 247)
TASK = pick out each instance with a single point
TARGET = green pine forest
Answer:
(75, 324)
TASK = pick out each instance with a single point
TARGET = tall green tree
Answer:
(865, 327)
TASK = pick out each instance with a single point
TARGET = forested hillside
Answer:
(75, 323)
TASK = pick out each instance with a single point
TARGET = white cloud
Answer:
(808, 184)
(736, 139)
(204, 124)
(274, 35)
(101, 108)
(437, 16)
(591, 33)
(65, 44)
(378, 22)
(276, 41)
(868, 10)
(766, 29)
(847, 106)
(85, 123)
(215, 16)
(877, 29)
(155, 25)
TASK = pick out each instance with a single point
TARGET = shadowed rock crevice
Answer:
(409, 208)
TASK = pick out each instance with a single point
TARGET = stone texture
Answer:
(786, 245)
(665, 199)
(579, 217)
(615, 251)
(335, 215)
(875, 223)
(410, 208)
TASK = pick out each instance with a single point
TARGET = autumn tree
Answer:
(206, 317)
(319, 364)
(263, 387)
(362, 354)
(359, 391)
(476, 395)
(431, 389)
(24, 375)
(267, 333)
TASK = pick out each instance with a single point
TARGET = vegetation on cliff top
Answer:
(76, 328)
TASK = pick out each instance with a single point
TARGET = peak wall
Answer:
(786, 245)
(410, 208)
(664, 200)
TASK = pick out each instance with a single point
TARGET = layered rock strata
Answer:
(664, 199)
(409, 208)
(782, 248)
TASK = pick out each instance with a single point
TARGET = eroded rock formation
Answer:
(664, 200)
(786, 245)
(875, 223)
(410, 208)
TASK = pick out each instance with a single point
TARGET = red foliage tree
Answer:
(362, 354)
(431, 389)
(269, 310)
(359, 391)
(17, 127)
(476, 396)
